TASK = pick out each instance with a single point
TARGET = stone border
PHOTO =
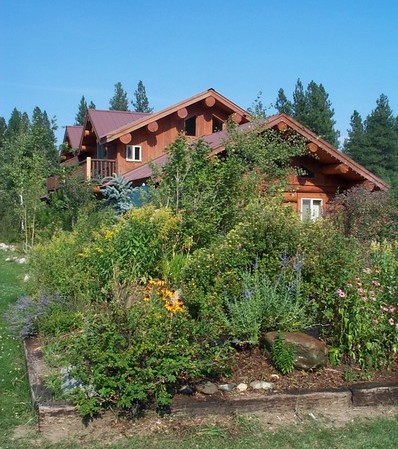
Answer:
(65, 417)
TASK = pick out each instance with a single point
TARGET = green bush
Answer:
(366, 321)
(266, 305)
(136, 349)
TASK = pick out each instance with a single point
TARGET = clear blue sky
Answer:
(53, 52)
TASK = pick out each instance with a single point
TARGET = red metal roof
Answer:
(217, 140)
(106, 121)
(73, 135)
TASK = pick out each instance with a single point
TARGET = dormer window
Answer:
(217, 125)
(190, 126)
(133, 153)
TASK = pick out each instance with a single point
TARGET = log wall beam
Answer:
(182, 113)
(312, 147)
(335, 169)
(125, 139)
(237, 118)
(282, 126)
(153, 127)
(210, 102)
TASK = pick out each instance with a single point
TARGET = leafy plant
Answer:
(283, 355)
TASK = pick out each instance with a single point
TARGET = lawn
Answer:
(17, 416)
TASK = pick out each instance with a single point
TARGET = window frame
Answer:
(133, 148)
(311, 217)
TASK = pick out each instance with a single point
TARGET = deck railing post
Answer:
(88, 168)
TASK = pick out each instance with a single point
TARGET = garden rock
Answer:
(310, 352)
(261, 385)
(207, 388)
(227, 387)
(241, 387)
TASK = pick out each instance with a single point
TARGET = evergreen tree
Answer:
(3, 130)
(299, 106)
(17, 124)
(82, 112)
(141, 103)
(42, 137)
(119, 101)
(91, 105)
(354, 144)
(312, 108)
(319, 113)
(381, 143)
(282, 104)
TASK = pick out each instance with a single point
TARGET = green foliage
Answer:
(26, 158)
(365, 322)
(366, 215)
(266, 305)
(312, 108)
(374, 143)
(133, 350)
(141, 103)
(283, 355)
(282, 104)
(83, 108)
(119, 101)
(120, 194)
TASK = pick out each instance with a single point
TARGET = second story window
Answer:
(190, 126)
(133, 153)
(217, 125)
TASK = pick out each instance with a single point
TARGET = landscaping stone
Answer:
(187, 390)
(227, 387)
(261, 385)
(310, 352)
(207, 388)
(241, 387)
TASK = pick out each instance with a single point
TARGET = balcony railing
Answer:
(98, 169)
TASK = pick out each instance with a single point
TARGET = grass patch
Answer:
(15, 401)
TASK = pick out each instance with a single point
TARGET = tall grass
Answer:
(15, 401)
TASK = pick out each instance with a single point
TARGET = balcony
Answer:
(97, 169)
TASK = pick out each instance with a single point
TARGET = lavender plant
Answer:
(27, 314)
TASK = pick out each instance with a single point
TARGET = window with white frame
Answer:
(311, 208)
(133, 153)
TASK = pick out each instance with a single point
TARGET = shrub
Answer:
(49, 314)
(135, 349)
(266, 305)
(366, 322)
(366, 215)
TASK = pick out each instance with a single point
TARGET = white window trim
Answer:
(311, 200)
(132, 149)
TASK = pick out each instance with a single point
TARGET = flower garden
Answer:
(136, 303)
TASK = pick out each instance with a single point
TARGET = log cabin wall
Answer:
(167, 129)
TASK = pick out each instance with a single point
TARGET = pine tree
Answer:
(82, 112)
(42, 137)
(91, 105)
(354, 144)
(141, 103)
(381, 143)
(3, 130)
(299, 102)
(319, 116)
(313, 109)
(119, 101)
(282, 104)
(17, 124)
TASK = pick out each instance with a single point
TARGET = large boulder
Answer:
(310, 353)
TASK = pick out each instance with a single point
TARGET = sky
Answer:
(52, 52)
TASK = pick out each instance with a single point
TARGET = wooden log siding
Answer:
(98, 168)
